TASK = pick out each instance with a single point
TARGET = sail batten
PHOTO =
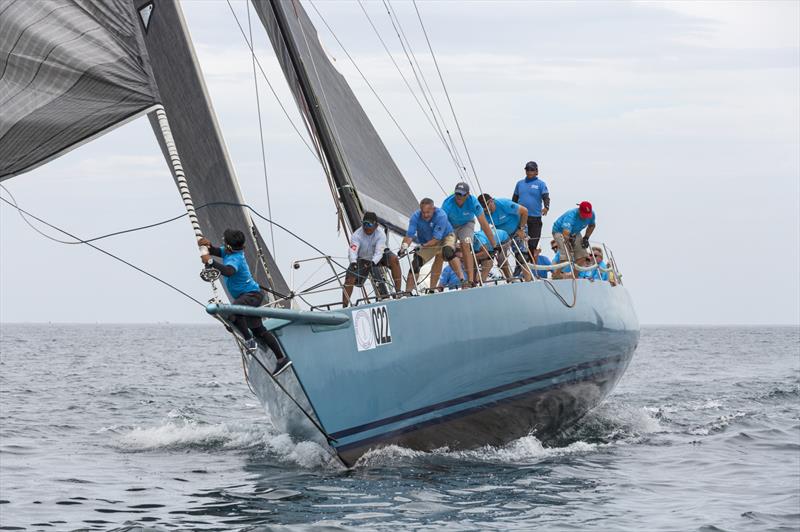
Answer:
(365, 175)
(70, 70)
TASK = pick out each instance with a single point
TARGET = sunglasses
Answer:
(367, 225)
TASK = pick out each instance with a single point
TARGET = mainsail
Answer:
(70, 70)
(366, 177)
(197, 136)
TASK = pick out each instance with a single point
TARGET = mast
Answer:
(329, 147)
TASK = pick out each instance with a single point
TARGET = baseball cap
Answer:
(462, 189)
(585, 209)
(370, 218)
(531, 165)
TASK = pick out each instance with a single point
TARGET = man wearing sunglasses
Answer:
(431, 229)
(512, 218)
(558, 274)
(367, 253)
(462, 208)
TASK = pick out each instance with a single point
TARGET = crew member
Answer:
(448, 279)
(567, 231)
(367, 253)
(484, 253)
(462, 208)
(244, 290)
(512, 218)
(430, 228)
(532, 192)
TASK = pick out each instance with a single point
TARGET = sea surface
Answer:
(115, 427)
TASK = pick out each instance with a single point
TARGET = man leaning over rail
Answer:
(244, 290)
(430, 228)
(462, 208)
(367, 253)
(483, 253)
(512, 218)
(567, 231)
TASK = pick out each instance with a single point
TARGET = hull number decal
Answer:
(371, 327)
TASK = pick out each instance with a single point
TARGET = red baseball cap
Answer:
(585, 209)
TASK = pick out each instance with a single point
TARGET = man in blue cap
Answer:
(532, 192)
(462, 208)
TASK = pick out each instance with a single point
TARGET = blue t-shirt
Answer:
(461, 215)
(529, 193)
(481, 239)
(449, 278)
(242, 281)
(557, 259)
(541, 260)
(423, 231)
(506, 215)
(572, 220)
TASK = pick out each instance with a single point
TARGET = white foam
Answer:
(189, 434)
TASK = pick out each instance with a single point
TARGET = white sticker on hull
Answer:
(371, 326)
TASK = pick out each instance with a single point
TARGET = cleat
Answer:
(281, 366)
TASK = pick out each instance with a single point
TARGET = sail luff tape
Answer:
(180, 177)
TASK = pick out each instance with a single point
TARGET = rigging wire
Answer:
(23, 213)
(422, 82)
(436, 130)
(269, 84)
(371, 88)
(261, 130)
(447, 94)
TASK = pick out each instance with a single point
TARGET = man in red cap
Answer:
(567, 231)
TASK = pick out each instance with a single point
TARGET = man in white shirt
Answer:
(367, 252)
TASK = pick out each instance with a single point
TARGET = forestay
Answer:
(69, 70)
(364, 173)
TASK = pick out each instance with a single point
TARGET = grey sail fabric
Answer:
(357, 157)
(69, 71)
(198, 140)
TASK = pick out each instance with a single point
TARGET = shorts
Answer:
(363, 267)
(577, 252)
(426, 254)
(465, 232)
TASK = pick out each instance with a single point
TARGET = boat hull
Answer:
(459, 369)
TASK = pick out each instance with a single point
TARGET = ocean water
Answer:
(116, 427)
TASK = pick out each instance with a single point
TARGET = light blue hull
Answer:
(462, 368)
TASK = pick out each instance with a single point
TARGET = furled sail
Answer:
(69, 70)
(365, 175)
(197, 136)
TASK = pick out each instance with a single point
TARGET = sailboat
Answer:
(426, 369)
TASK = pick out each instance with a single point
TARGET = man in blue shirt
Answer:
(449, 279)
(532, 192)
(244, 290)
(558, 274)
(541, 260)
(567, 231)
(430, 228)
(512, 218)
(462, 208)
(483, 253)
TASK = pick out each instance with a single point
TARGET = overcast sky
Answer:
(679, 121)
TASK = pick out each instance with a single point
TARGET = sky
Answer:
(679, 121)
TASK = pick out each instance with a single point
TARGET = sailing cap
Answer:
(585, 209)
(462, 189)
(370, 218)
(234, 238)
(531, 165)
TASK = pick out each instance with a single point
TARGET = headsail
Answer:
(364, 173)
(197, 136)
(69, 70)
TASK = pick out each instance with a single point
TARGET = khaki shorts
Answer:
(427, 254)
(465, 232)
(577, 252)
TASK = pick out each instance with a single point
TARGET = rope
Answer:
(261, 130)
(23, 213)
(380, 100)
